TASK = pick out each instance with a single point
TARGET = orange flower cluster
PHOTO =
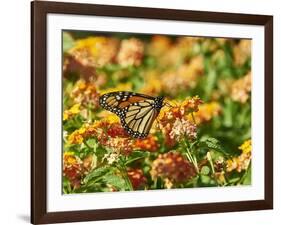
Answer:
(85, 93)
(122, 146)
(242, 52)
(240, 89)
(75, 109)
(72, 169)
(185, 77)
(77, 136)
(108, 132)
(89, 54)
(149, 143)
(207, 111)
(175, 80)
(171, 52)
(115, 130)
(175, 121)
(130, 53)
(172, 166)
(97, 51)
(242, 161)
(137, 178)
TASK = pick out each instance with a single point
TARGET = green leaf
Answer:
(116, 181)
(205, 179)
(248, 177)
(66, 186)
(227, 112)
(210, 82)
(233, 180)
(68, 41)
(159, 183)
(136, 155)
(205, 170)
(96, 173)
(211, 143)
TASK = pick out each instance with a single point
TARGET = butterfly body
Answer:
(137, 112)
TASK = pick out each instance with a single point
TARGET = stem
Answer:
(85, 143)
(244, 175)
(125, 176)
(191, 157)
(209, 157)
(193, 118)
(90, 147)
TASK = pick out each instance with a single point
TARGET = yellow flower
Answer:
(72, 169)
(180, 109)
(81, 84)
(152, 83)
(94, 51)
(246, 147)
(191, 104)
(91, 43)
(159, 45)
(206, 112)
(75, 109)
(76, 137)
(112, 119)
(65, 116)
(69, 158)
(242, 161)
(82, 130)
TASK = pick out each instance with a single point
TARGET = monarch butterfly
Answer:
(137, 112)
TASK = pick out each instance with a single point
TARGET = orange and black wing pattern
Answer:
(137, 112)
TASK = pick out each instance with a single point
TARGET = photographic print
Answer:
(147, 112)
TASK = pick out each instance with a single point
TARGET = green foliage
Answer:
(68, 41)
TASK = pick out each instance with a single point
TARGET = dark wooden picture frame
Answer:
(39, 11)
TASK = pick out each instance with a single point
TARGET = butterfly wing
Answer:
(136, 111)
(138, 118)
(116, 101)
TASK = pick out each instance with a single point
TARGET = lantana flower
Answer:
(137, 178)
(72, 169)
(184, 78)
(242, 52)
(109, 134)
(150, 143)
(131, 52)
(97, 51)
(206, 112)
(85, 93)
(172, 166)
(152, 83)
(241, 162)
(176, 123)
(75, 109)
(241, 88)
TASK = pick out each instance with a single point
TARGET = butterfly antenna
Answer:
(168, 104)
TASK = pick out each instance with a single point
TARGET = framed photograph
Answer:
(143, 112)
